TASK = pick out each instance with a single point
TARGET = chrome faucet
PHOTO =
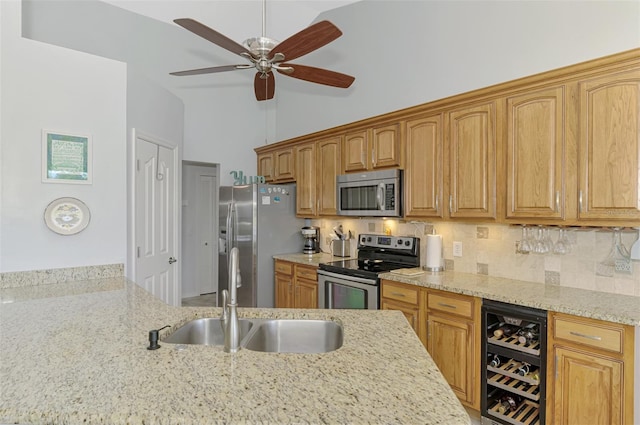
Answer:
(230, 305)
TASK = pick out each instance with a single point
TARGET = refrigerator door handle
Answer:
(229, 238)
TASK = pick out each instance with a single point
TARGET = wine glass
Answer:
(562, 245)
(525, 244)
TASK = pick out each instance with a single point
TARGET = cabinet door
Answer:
(472, 161)
(423, 171)
(284, 290)
(354, 154)
(284, 165)
(327, 168)
(450, 343)
(306, 295)
(609, 139)
(587, 389)
(306, 180)
(386, 146)
(410, 312)
(535, 148)
(265, 166)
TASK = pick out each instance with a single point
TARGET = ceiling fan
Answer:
(266, 54)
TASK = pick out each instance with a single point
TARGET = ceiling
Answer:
(237, 19)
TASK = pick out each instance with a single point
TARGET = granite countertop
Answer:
(76, 353)
(624, 309)
(311, 260)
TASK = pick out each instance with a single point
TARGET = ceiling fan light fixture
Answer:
(260, 46)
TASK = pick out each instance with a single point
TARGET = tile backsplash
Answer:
(492, 249)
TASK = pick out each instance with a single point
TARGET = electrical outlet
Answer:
(457, 249)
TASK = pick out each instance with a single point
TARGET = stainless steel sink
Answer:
(296, 336)
(266, 335)
(205, 331)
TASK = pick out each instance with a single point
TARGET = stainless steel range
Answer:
(354, 283)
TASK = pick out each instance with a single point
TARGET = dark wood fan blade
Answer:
(211, 35)
(209, 70)
(307, 40)
(318, 75)
(265, 87)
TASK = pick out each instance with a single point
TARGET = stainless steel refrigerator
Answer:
(259, 219)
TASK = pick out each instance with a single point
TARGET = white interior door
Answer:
(156, 181)
(207, 188)
(199, 229)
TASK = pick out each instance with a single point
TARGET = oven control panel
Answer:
(384, 241)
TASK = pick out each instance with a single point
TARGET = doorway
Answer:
(200, 185)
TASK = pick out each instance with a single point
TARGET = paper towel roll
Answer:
(434, 253)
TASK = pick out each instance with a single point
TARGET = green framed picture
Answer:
(66, 158)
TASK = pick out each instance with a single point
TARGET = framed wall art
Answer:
(66, 158)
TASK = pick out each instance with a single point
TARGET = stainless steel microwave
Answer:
(370, 194)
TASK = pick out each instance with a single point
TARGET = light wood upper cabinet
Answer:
(381, 147)
(284, 165)
(354, 151)
(535, 145)
(609, 146)
(328, 166)
(277, 166)
(472, 141)
(265, 166)
(386, 146)
(423, 171)
(306, 180)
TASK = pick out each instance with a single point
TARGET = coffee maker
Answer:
(311, 235)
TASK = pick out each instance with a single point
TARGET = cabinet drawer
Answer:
(399, 292)
(448, 303)
(593, 333)
(284, 267)
(304, 272)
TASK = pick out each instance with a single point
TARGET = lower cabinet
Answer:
(449, 327)
(590, 371)
(453, 341)
(405, 298)
(296, 285)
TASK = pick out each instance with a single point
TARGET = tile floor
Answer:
(206, 300)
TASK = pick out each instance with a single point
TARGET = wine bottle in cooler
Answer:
(508, 403)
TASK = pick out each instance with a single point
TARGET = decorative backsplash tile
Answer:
(494, 245)
(44, 277)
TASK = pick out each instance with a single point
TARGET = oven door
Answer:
(341, 291)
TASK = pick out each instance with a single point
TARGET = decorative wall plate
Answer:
(67, 216)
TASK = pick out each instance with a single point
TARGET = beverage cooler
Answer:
(514, 346)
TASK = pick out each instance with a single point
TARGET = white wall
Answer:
(47, 87)
(225, 127)
(405, 53)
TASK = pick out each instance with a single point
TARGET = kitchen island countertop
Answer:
(76, 353)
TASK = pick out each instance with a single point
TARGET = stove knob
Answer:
(407, 243)
(400, 242)
(369, 239)
(363, 240)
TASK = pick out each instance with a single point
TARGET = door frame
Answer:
(130, 270)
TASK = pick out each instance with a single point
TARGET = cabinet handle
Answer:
(398, 294)
(450, 204)
(557, 201)
(593, 337)
(580, 201)
(555, 365)
(413, 322)
(437, 203)
(447, 305)
(373, 157)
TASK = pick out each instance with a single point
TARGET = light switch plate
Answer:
(457, 249)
